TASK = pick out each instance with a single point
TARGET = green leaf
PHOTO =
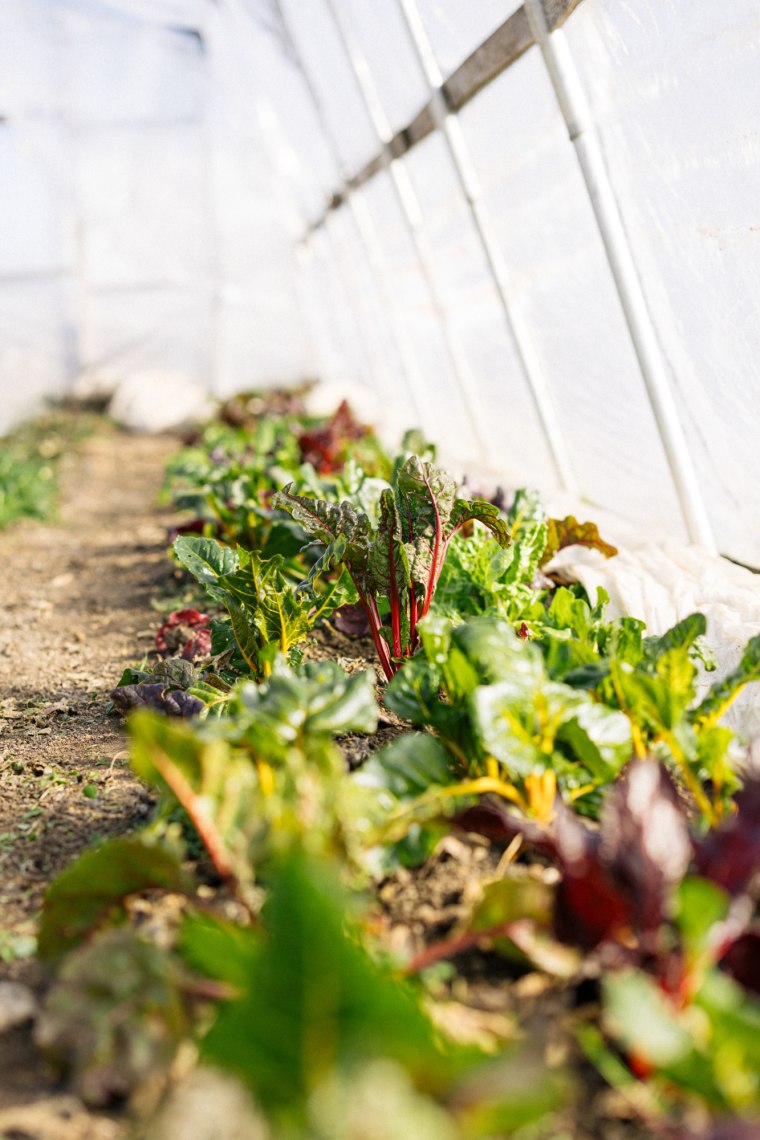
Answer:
(700, 907)
(93, 891)
(264, 609)
(207, 560)
(315, 1002)
(599, 737)
(325, 521)
(644, 1019)
(724, 692)
(409, 766)
(470, 510)
(495, 652)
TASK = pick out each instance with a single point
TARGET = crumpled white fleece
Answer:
(664, 582)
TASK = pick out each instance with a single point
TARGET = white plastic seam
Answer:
(448, 123)
(409, 202)
(581, 127)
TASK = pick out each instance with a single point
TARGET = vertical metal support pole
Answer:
(581, 127)
(411, 210)
(451, 130)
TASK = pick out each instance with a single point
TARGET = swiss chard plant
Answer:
(394, 565)
(266, 615)
(501, 723)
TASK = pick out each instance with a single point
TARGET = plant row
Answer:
(591, 753)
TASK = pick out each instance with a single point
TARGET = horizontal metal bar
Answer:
(502, 48)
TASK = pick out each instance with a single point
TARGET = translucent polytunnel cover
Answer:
(530, 228)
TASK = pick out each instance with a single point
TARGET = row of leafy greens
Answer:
(575, 743)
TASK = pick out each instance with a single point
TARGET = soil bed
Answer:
(77, 610)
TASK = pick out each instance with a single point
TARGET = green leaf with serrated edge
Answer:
(279, 613)
(92, 892)
(724, 692)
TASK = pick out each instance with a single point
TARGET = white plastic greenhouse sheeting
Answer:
(165, 167)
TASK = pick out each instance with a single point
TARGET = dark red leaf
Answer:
(730, 855)
(180, 629)
(490, 818)
(324, 447)
(742, 960)
(198, 646)
(644, 840)
(590, 906)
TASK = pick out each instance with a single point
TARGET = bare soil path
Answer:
(75, 611)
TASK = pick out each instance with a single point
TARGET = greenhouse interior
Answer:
(379, 703)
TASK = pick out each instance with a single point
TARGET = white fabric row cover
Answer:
(163, 164)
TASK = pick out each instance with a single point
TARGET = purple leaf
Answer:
(644, 839)
(742, 960)
(171, 702)
(730, 855)
(352, 620)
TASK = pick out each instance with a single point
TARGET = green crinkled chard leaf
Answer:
(207, 560)
(479, 510)
(322, 520)
(92, 892)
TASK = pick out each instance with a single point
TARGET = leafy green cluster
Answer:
(29, 458)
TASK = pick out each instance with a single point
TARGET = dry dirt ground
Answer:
(76, 610)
